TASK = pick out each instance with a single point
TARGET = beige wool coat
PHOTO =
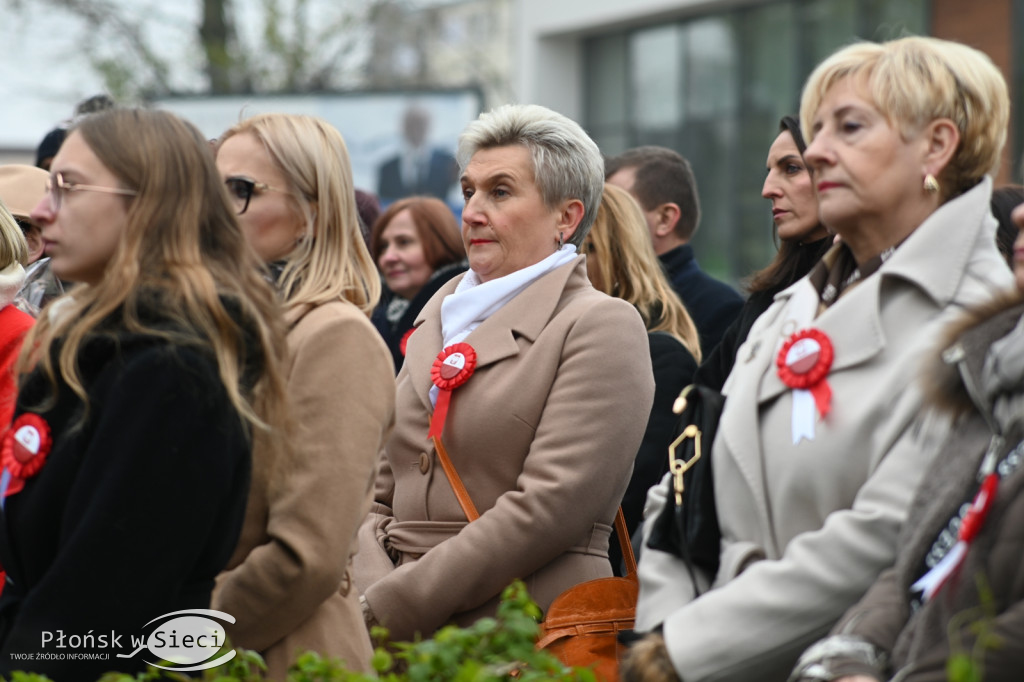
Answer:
(543, 435)
(288, 584)
(806, 528)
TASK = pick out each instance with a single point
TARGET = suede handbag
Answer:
(582, 624)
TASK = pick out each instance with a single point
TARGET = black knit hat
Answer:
(50, 145)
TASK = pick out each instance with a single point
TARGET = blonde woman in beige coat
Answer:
(288, 584)
(544, 430)
(901, 137)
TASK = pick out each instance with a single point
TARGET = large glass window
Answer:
(608, 95)
(714, 88)
(656, 77)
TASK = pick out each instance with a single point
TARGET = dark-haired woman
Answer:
(417, 247)
(804, 240)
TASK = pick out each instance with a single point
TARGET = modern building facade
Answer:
(711, 79)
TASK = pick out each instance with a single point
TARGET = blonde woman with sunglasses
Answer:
(288, 585)
(126, 468)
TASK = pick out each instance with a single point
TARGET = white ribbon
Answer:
(931, 581)
(804, 410)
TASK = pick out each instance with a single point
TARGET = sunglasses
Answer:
(242, 189)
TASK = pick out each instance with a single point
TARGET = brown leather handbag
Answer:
(582, 624)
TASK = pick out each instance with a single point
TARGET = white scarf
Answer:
(474, 301)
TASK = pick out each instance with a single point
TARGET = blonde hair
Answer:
(331, 262)
(627, 268)
(181, 253)
(916, 80)
(13, 247)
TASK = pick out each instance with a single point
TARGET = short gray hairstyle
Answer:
(566, 163)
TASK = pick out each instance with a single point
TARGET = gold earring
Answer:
(931, 185)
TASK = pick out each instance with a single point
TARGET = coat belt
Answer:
(416, 537)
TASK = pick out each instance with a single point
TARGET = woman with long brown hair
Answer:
(126, 469)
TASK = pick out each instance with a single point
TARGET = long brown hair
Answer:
(623, 264)
(181, 247)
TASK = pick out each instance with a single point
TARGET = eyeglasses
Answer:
(56, 186)
(242, 189)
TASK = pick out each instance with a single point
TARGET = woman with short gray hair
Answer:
(534, 385)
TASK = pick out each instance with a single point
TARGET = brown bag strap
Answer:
(625, 544)
(461, 494)
(469, 509)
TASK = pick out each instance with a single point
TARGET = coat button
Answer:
(424, 463)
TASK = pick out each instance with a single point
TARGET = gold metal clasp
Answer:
(680, 403)
(678, 466)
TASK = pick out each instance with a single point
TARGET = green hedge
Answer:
(491, 650)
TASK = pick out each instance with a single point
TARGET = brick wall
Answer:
(988, 26)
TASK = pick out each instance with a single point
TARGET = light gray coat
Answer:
(807, 528)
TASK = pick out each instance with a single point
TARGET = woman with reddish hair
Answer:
(416, 245)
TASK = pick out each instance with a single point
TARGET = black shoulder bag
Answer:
(688, 524)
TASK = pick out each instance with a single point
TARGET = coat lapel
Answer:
(852, 324)
(855, 337)
(494, 340)
(525, 316)
(742, 444)
(425, 343)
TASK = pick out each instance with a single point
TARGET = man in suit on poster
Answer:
(417, 169)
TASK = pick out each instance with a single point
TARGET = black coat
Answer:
(713, 305)
(393, 333)
(136, 510)
(673, 369)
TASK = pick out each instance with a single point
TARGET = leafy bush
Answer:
(491, 650)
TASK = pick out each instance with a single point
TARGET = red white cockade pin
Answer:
(404, 341)
(23, 453)
(932, 581)
(452, 367)
(803, 364)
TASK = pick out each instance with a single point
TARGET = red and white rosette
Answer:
(803, 364)
(23, 453)
(404, 341)
(452, 367)
(933, 580)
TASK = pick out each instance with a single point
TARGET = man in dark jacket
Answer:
(662, 182)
